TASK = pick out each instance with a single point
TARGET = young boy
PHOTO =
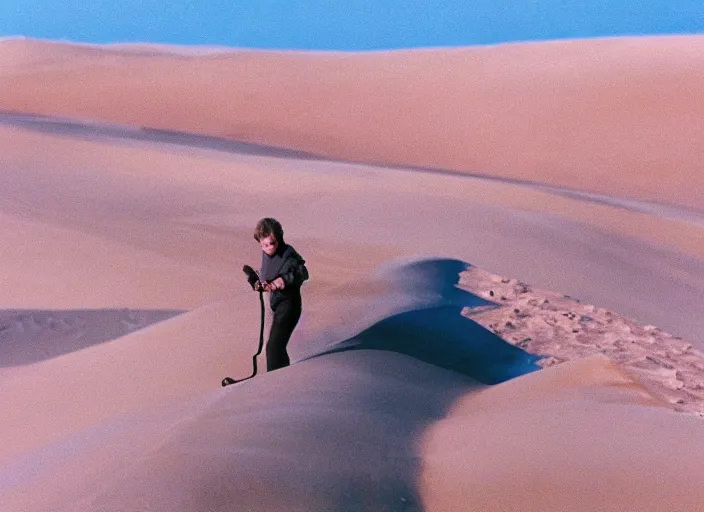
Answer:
(282, 273)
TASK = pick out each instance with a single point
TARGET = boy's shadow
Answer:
(437, 333)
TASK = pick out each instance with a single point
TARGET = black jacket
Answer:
(293, 271)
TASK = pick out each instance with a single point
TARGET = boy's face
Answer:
(269, 245)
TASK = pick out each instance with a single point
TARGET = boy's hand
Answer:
(277, 284)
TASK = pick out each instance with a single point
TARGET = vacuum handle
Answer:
(252, 276)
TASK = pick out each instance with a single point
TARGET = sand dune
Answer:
(618, 117)
(29, 336)
(132, 177)
(576, 434)
(337, 433)
(88, 386)
(181, 215)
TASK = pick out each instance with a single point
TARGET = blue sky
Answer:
(343, 25)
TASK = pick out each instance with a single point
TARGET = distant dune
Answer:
(616, 116)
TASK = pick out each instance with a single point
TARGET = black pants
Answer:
(286, 315)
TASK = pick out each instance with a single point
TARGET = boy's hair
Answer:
(268, 226)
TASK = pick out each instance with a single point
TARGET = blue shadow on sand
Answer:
(437, 333)
(66, 126)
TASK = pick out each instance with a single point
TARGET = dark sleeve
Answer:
(295, 271)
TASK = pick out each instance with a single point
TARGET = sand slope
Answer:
(580, 436)
(337, 433)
